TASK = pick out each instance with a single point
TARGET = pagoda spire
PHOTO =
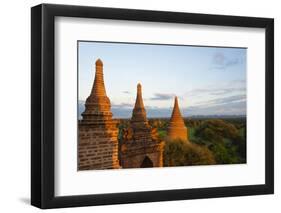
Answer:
(98, 88)
(177, 128)
(97, 106)
(139, 101)
(139, 113)
(176, 118)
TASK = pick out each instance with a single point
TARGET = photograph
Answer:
(143, 105)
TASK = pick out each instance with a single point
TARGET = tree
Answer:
(182, 153)
(223, 139)
(218, 127)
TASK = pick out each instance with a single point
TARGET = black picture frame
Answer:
(43, 102)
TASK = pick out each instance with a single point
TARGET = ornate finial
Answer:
(99, 62)
(98, 86)
(139, 101)
(139, 88)
(176, 102)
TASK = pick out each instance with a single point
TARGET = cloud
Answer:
(236, 86)
(162, 96)
(221, 62)
(122, 105)
(224, 100)
(196, 92)
(215, 91)
(225, 108)
(223, 91)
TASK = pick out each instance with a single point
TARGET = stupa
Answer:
(141, 146)
(177, 128)
(98, 144)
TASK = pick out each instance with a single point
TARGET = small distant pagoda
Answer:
(141, 146)
(98, 144)
(177, 128)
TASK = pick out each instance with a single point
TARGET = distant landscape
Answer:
(126, 112)
(221, 139)
(214, 140)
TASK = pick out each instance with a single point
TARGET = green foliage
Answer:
(162, 134)
(224, 154)
(191, 132)
(122, 124)
(191, 123)
(182, 153)
(216, 129)
(240, 144)
(227, 143)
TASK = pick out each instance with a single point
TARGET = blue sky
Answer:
(207, 80)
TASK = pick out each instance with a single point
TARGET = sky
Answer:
(206, 80)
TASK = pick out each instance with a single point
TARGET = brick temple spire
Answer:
(139, 113)
(177, 128)
(98, 142)
(141, 146)
(97, 106)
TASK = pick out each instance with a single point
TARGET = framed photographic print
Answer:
(139, 106)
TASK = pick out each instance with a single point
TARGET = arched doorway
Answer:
(146, 163)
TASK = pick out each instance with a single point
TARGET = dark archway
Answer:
(146, 163)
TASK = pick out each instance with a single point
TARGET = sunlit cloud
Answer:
(162, 96)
